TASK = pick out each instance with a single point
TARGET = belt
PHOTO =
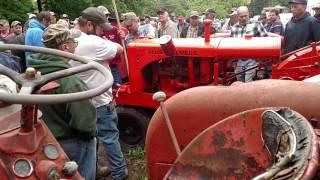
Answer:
(111, 106)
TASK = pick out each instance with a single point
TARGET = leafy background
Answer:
(18, 9)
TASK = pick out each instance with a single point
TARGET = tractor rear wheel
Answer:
(132, 125)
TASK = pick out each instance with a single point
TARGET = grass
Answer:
(137, 164)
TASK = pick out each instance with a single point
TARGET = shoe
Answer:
(103, 171)
(126, 174)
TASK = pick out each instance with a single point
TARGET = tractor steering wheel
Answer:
(29, 85)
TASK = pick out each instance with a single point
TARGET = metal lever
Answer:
(160, 97)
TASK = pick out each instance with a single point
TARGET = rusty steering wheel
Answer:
(25, 95)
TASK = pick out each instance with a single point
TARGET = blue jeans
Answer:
(83, 153)
(116, 75)
(243, 65)
(108, 134)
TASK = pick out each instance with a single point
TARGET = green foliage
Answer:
(137, 162)
(280, 2)
(184, 7)
(137, 154)
(146, 7)
(256, 6)
(15, 9)
(71, 7)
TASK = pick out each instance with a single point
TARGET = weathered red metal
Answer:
(196, 109)
(143, 53)
(231, 149)
(299, 64)
(207, 28)
(12, 149)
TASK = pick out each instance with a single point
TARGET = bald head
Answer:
(243, 14)
(243, 9)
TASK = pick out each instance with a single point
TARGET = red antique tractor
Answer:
(267, 129)
(28, 149)
(173, 66)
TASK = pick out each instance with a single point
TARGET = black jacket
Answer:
(19, 40)
(300, 33)
(317, 28)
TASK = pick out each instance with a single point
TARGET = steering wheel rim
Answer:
(23, 98)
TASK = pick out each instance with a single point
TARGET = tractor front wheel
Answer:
(133, 124)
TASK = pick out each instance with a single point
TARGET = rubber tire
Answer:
(132, 121)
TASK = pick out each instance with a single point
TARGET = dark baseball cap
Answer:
(96, 16)
(162, 10)
(298, 2)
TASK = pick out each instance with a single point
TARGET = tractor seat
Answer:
(288, 137)
(264, 143)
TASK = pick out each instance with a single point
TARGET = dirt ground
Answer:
(135, 162)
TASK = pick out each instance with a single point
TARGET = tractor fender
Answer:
(193, 110)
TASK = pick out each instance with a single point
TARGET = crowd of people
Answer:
(96, 34)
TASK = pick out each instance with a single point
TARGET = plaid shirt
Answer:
(256, 28)
(192, 32)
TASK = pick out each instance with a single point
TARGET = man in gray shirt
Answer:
(167, 27)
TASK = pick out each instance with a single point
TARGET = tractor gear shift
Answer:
(160, 97)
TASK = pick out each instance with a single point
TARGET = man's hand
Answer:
(122, 34)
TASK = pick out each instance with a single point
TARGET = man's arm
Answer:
(106, 49)
(119, 49)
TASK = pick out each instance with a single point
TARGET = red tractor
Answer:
(267, 129)
(173, 66)
(28, 149)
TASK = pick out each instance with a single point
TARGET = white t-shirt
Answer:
(99, 50)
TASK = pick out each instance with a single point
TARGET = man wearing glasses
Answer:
(73, 124)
